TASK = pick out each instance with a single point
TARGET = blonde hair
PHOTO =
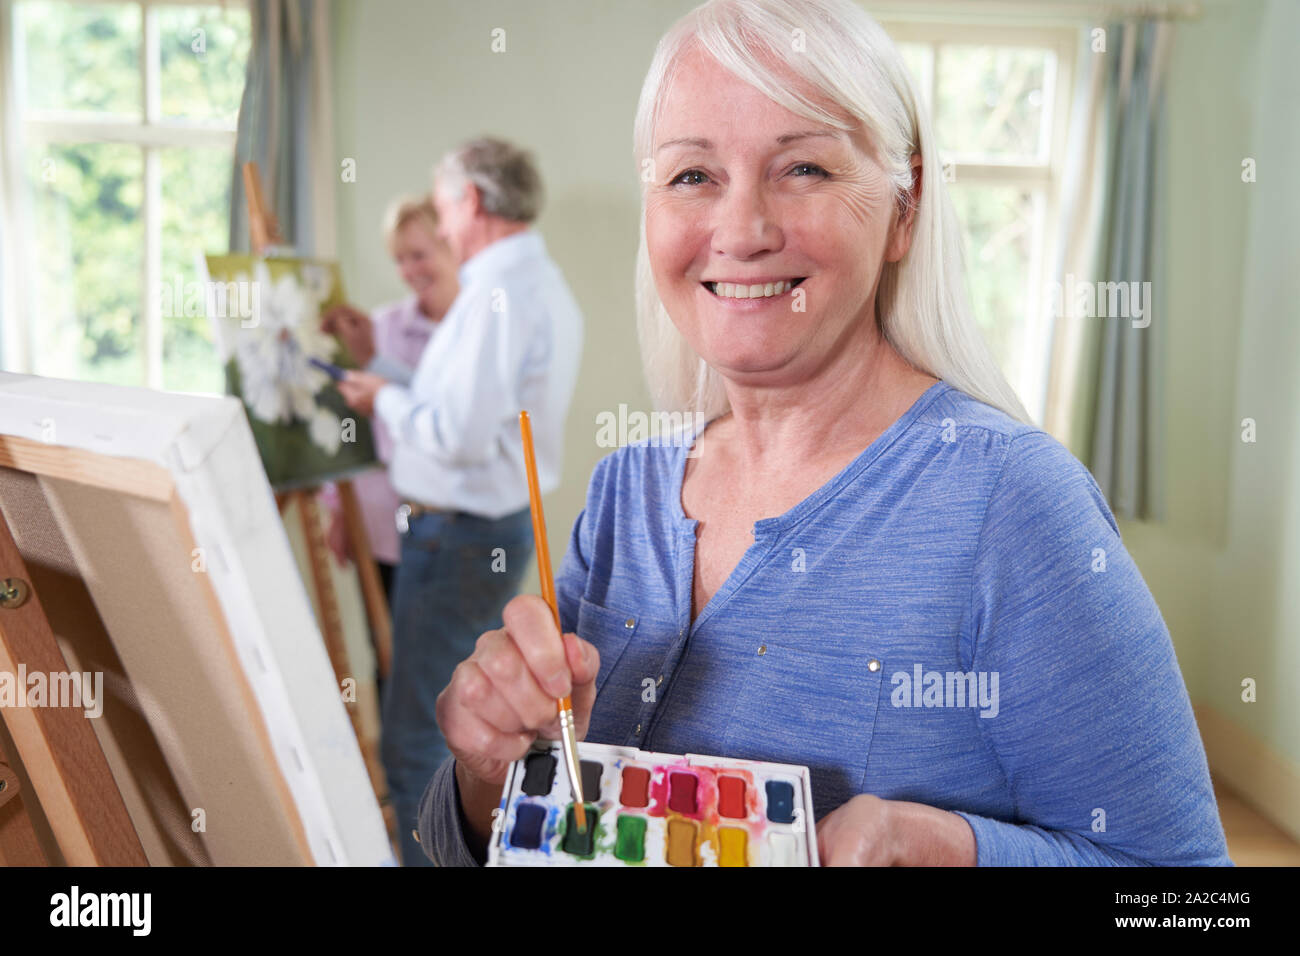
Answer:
(921, 300)
(408, 209)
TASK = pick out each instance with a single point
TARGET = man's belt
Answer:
(413, 509)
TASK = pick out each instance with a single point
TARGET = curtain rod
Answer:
(1037, 9)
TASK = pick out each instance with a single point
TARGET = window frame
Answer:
(149, 131)
(1046, 176)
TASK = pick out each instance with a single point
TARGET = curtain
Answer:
(1107, 378)
(1067, 411)
(286, 125)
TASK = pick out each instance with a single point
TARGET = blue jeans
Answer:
(452, 584)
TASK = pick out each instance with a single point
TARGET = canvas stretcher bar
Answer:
(190, 465)
(57, 746)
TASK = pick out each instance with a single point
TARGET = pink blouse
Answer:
(401, 333)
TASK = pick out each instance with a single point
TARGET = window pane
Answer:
(917, 57)
(204, 51)
(86, 262)
(991, 101)
(998, 231)
(195, 220)
(79, 56)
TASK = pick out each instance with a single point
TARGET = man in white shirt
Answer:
(512, 340)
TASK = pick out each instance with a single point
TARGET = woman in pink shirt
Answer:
(400, 332)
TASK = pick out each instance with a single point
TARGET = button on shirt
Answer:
(862, 634)
(512, 340)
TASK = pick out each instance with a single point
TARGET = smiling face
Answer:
(766, 232)
(427, 266)
(455, 204)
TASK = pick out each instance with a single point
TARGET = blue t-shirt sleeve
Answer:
(1094, 729)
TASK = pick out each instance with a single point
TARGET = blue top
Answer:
(951, 620)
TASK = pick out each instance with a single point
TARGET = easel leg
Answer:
(372, 588)
(331, 623)
(18, 843)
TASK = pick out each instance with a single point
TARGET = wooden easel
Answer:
(264, 231)
(69, 776)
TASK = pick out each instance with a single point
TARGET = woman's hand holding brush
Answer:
(502, 697)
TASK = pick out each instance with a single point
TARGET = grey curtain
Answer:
(1127, 410)
(284, 124)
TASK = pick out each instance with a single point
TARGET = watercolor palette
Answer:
(651, 809)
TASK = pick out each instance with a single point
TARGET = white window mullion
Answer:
(999, 174)
(1033, 365)
(152, 204)
(153, 330)
(16, 278)
(935, 56)
(150, 63)
(42, 130)
(931, 71)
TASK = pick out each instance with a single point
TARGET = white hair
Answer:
(508, 182)
(846, 56)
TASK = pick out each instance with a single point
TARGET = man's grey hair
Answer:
(506, 177)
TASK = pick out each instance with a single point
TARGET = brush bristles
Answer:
(569, 742)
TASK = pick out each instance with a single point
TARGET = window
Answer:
(999, 98)
(126, 113)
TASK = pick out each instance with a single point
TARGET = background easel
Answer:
(264, 233)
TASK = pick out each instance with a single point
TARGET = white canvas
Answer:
(205, 445)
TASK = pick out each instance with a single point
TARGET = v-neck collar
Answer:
(766, 530)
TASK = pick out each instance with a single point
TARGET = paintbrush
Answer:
(568, 734)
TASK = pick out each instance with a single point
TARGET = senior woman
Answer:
(867, 512)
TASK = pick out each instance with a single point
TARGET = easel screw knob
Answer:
(13, 593)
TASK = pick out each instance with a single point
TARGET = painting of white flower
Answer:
(272, 350)
(294, 409)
